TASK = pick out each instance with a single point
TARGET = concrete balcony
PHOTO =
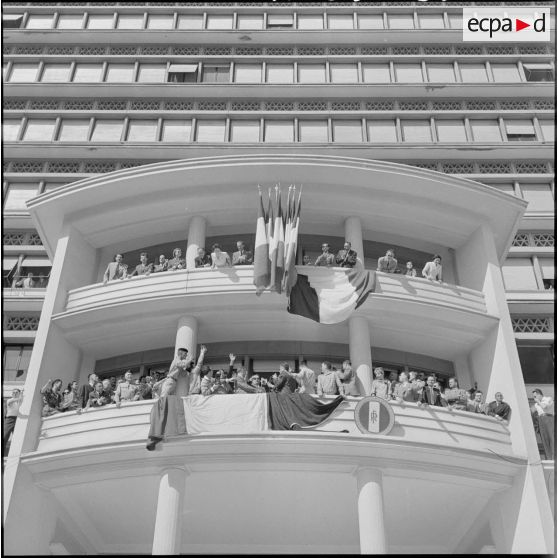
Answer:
(123, 315)
(22, 299)
(433, 427)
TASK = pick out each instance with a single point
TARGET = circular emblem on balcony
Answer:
(374, 415)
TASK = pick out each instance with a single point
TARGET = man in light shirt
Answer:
(12, 412)
(126, 390)
(328, 381)
(306, 378)
(433, 270)
(543, 408)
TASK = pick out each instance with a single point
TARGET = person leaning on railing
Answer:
(455, 397)
(115, 270)
(347, 379)
(380, 386)
(52, 397)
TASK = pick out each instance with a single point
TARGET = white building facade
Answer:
(133, 128)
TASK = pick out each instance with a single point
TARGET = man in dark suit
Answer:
(346, 257)
(285, 382)
(86, 389)
(242, 256)
(143, 268)
(499, 409)
(431, 395)
(203, 259)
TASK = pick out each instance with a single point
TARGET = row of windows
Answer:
(279, 72)
(529, 273)
(268, 130)
(251, 21)
(539, 195)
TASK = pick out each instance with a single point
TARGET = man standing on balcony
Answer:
(433, 270)
(203, 259)
(306, 378)
(544, 411)
(476, 405)
(12, 410)
(115, 270)
(455, 397)
(346, 257)
(285, 383)
(176, 262)
(242, 256)
(387, 263)
(431, 395)
(328, 381)
(86, 389)
(326, 258)
(498, 409)
(126, 390)
(27, 283)
(143, 268)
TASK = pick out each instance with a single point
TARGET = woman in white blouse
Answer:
(219, 258)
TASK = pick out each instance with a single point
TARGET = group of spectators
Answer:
(31, 282)
(346, 257)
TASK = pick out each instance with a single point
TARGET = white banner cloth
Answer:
(226, 414)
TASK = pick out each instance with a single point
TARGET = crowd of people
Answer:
(410, 387)
(217, 258)
(31, 281)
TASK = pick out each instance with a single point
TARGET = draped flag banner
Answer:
(330, 296)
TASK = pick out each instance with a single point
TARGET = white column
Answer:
(168, 521)
(359, 349)
(353, 234)
(186, 337)
(370, 511)
(196, 239)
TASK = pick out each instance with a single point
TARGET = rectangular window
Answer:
(216, 74)
(408, 73)
(107, 130)
(160, 21)
(370, 21)
(190, 21)
(211, 131)
(247, 73)
(120, 73)
(473, 73)
(376, 73)
(249, 21)
(382, 131)
(538, 72)
(340, 21)
(23, 72)
(74, 130)
(177, 130)
(39, 21)
(219, 21)
(486, 130)
(88, 73)
(440, 73)
(520, 130)
(344, 73)
(142, 130)
(10, 129)
(70, 21)
(537, 364)
(16, 360)
(183, 73)
(280, 21)
(311, 73)
(401, 21)
(11, 21)
(130, 21)
(451, 130)
(519, 274)
(547, 127)
(539, 196)
(39, 130)
(312, 131)
(56, 72)
(19, 193)
(279, 73)
(455, 21)
(431, 21)
(245, 131)
(416, 131)
(347, 131)
(279, 131)
(310, 21)
(100, 21)
(505, 72)
(152, 73)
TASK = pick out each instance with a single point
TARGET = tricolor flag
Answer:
(291, 240)
(277, 247)
(330, 296)
(261, 251)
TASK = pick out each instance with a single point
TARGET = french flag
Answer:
(330, 295)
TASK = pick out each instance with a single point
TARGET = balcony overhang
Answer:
(388, 197)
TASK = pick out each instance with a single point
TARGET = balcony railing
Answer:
(433, 426)
(240, 280)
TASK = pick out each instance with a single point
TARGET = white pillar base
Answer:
(371, 511)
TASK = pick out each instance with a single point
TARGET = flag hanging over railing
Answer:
(261, 250)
